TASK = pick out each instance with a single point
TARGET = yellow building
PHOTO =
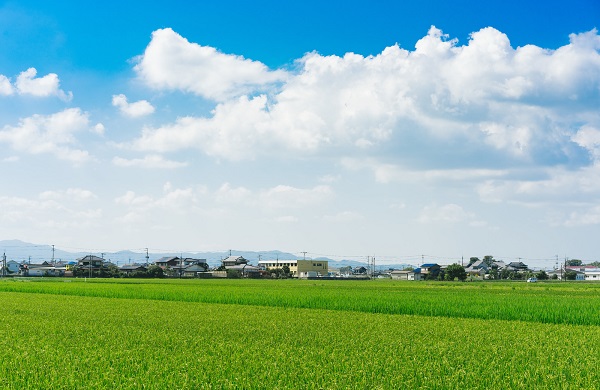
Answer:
(299, 268)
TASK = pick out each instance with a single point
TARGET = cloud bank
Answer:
(520, 105)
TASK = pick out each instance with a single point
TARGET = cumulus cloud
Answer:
(228, 194)
(283, 196)
(72, 194)
(171, 62)
(486, 96)
(134, 110)
(448, 213)
(63, 209)
(6, 87)
(151, 161)
(180, 200)
(48, 85)
(54, 134)
(516, 124)
(585, 217)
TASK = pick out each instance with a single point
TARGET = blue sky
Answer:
(347, 129)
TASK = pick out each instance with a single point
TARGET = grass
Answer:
(558, 303)
(280, 334)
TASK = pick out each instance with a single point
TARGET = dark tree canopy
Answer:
(456, 271)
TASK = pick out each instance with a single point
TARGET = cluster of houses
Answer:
(238, 266)
(92, 266)
(499, 270)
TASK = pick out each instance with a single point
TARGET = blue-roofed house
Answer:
(430, 270)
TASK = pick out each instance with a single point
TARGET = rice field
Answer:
(286, 334)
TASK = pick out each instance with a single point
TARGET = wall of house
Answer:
(319, 266)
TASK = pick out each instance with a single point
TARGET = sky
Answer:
(410, 132)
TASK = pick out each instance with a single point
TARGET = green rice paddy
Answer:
(287, 334)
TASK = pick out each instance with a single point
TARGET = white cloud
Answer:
(228, 194)
(590, 216)
(70, 194)
(48, 85)
(171, 62)
(448, 213)
(174, 200)
(389, 173)
(64, 210)
(98, 129)
(283, 196)
(588, 137)
(556, 186)
(151, 161)
(6, 87)
(486, 96)
(54, 134)
(134, 110)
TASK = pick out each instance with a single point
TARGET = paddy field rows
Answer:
(259, 334)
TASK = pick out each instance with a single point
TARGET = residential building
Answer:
(194, 270)
(41, 269)
(517, 266)
(128, 269)
(233, 261)
(430, 270)
(299, 268)
(406, 275)
(13, 267)
(168, 261)
(592, 275)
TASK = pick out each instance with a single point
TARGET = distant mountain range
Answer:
(22, 251)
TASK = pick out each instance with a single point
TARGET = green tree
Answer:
(542, 275)
(275, 273)
(574, 262)
(154, 271)
(286, 271)
(570, 275)
(456, 271)
(234, 274)
(494, 274)
(347, 270)
(595, 263)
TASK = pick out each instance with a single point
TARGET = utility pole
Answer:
(53, 255)
(147, 257)
(371, 265)
(304, 257)
(4, 264)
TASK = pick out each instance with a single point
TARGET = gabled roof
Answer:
(131, 267)
(90, 257)
(195, 268)
(166, 259)
(429, 265)
(234, 260)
